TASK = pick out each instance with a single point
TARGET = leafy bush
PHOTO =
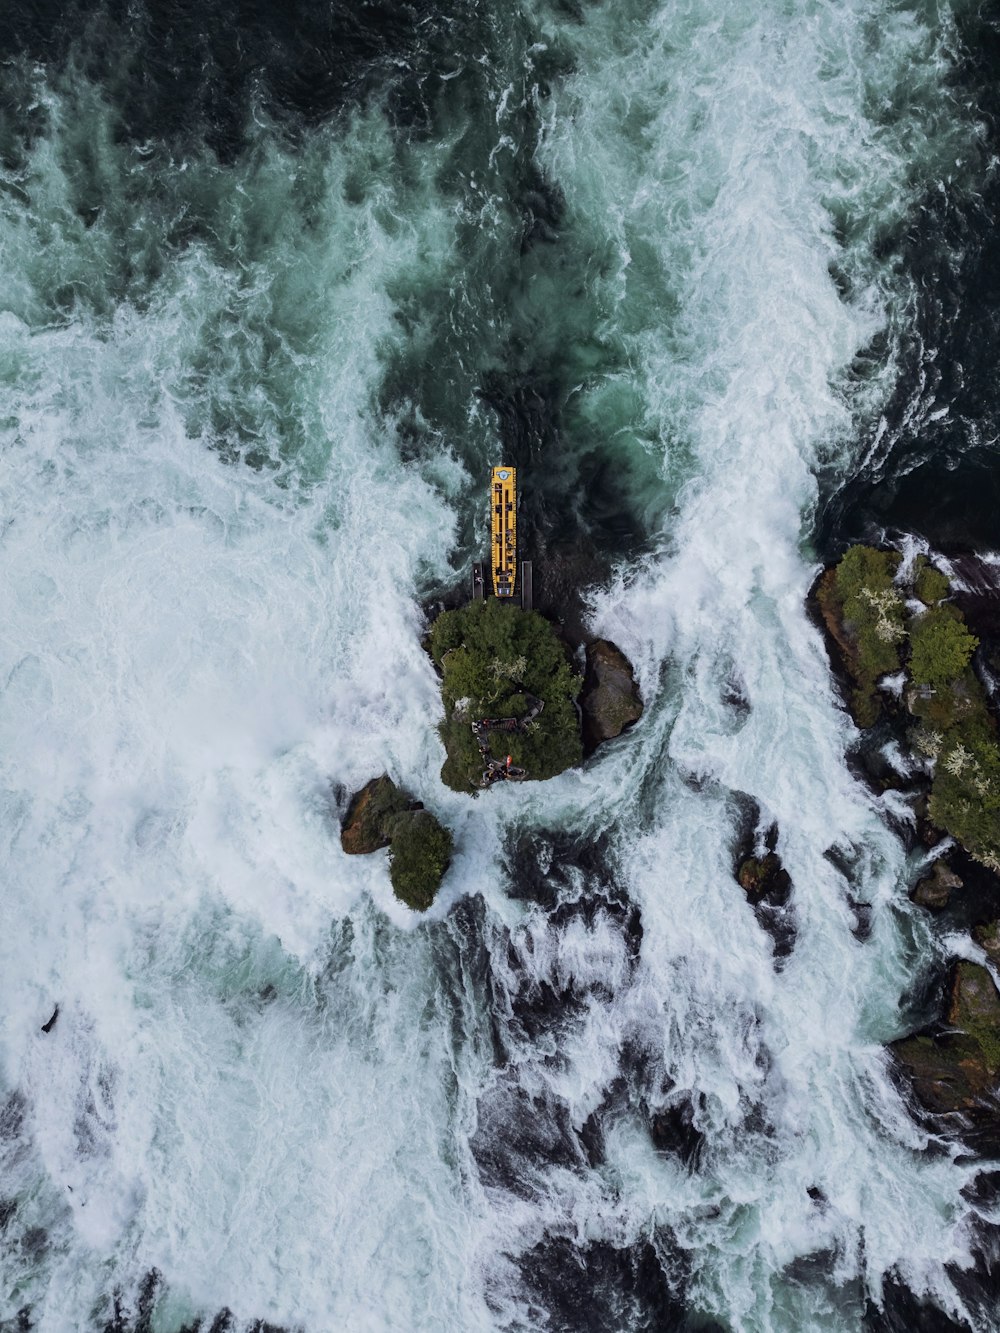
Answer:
(418, 857)
(941, 646)
(492, 656)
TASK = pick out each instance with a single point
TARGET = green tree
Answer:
(941, 646)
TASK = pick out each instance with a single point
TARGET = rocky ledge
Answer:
(383, 815)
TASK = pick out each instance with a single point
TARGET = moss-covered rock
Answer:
(384, 815)
(419, 853)
(974, 1008)
(495, 660)
(610, 701)
(929, 583)
(988, 938)
(762, 877)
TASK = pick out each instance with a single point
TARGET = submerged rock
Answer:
(934, 891)
(610, 701)
(383, 815)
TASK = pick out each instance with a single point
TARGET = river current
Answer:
(276, 289)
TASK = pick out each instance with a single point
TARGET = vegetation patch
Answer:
(975, 1010)
(957, 732)
(866, 615)
(418, 857)
(495, 659)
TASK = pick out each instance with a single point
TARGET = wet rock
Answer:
(364, 830)
(674, 1130)
(574, 1287)
(988, 939)
(954, 1067)
(901, 1311)
(763, 877)
(934, 891)
(610, 700)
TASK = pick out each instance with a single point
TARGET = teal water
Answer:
(248, 403)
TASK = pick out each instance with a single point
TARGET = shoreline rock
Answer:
(934, 891)
(953, 1066)
(610, 702)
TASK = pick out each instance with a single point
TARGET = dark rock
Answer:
(47, 1027)
(591, 1136)
(364, 830)
(988, 939)
(934, 890)
(593, 1288)
(954, 1067)
(674, 1130)
(610, 700)
(763, 877)
(901, 1311)
(767, 885)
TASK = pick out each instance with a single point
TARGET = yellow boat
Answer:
(503, 544)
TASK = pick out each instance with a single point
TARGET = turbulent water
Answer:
(275, 290)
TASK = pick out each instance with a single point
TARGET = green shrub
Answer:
(418, 857)
(929, 583)
(941, 646)
(492, 656)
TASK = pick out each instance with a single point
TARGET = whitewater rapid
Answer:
(221, 516)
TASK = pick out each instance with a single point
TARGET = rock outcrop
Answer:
(364, 828)
(383, 815)
(768, 888)
(507, 671)
(934, 890)
(954, 1067)
(762, 877)
(610, 701)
